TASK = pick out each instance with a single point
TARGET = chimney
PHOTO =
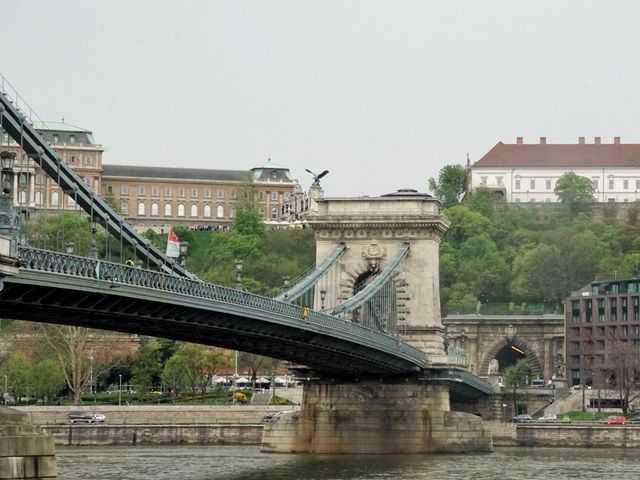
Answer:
(543, 140)
(519, 141)
(580, 140)
(616, 140)
(596, 140)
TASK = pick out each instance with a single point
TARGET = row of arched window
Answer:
(168, 210)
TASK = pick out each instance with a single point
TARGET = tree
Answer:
(451, 183)
(147, 365)
(625, 371)
(248, 221)
(575, 192)
(47, 379)
(515, 376)
(70, 346)
(18, 370)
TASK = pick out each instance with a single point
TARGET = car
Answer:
(99, 417)
(615, 420)
(548, 417)
(79, 417)
(522, 418)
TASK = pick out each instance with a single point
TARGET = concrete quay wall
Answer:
(564, 435)
(157, 414)
(99, 434)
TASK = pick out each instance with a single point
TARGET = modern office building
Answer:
(522, 172)
(598, 318)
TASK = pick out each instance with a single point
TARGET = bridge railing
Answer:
(117, 274)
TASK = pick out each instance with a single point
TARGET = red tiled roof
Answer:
(562, 155)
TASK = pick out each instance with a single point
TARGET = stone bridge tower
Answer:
(373, 230)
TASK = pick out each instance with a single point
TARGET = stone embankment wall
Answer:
(588, 435)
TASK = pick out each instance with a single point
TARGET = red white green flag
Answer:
(173, 245)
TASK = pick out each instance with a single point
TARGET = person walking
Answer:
(305, 313)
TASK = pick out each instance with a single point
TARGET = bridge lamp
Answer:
(323, 297)
(6, 161)
(239, 266)
(69, 248)
(183, 248)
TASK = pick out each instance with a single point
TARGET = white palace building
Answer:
(528, 172)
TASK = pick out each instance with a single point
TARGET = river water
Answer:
(247, 463)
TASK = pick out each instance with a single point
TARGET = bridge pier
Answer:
(25, 453)
(373, 416)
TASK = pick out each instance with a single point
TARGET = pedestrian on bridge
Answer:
(305, 313)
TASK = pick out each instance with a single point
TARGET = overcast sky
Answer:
(381, 93)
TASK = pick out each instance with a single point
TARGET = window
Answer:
(220, 211)
(194, 210)
(532, 184)
(39, 179)
(261, 196)
(72, 159)
(232, 212)
(595, 183)
(220, 194)
(56, 139)
(274, 213)
(22, 196)
(483, 180)
(141, 190)
(625, 184)
(141, 208)
(88, 160)
(180, 210)
(22, 178)
(274, 195)
(124, 190)
(109, 190)
(124, 208)
(517, 184)
(167, 191)
(207, 193)
(287, 196)
(72, 139)
(499, 180)
(547, 184)
(181, 192)
(154, 191)
(262, 212)
(38, 198)
(167, 209)
(55, 199)
(611, 183)
(207, 211)
(154, 209)
(194, 193)
(637, 183)
(233, 194)
(87, 181)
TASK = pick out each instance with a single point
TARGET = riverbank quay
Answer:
(585, 435)
(165, 414)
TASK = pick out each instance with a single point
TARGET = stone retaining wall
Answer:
(154, 434)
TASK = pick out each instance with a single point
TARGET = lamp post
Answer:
(6, 388)
(323, 297)
(183, 248)
(10, 225)
(93, 230)
(239, 266)
(69, 248)
(119, 389)
(285, 281)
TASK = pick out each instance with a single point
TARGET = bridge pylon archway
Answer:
(373, 230)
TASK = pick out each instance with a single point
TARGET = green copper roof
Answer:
(58, 127)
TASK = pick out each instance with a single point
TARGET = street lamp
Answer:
(119, 389)
(285, 280)
(93, 230)
(239, 265)
(6, 387)
(69, 248)
(6, 161)
(323, 297)
(182, 248)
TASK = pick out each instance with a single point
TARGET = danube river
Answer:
(247, 463)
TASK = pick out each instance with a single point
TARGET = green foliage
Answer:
(147, 365)
(19, 372)
(248, 221)
(575, 192)
(47, 379)
(451, 183)
(515, 376)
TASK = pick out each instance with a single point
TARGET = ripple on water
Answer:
(247, 463)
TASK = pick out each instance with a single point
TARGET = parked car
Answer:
(99, 417)
(522, 418)
(615, 420)
(82, 417)
(548, 417)
(635, 419)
